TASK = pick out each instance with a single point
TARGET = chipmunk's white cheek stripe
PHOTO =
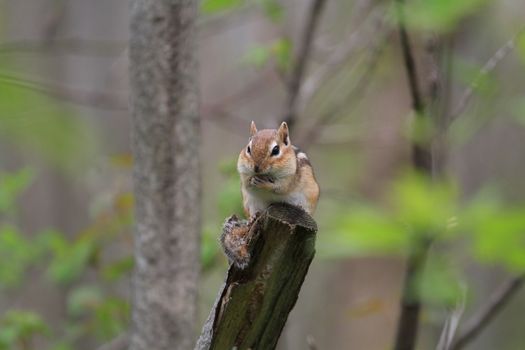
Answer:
(242, 169)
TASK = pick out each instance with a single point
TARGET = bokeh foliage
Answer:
(79, 266)
(418, 208)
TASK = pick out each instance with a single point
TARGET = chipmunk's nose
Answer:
(256, 168)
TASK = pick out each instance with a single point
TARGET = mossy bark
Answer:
(253, 304)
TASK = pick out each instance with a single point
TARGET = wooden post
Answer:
(253, 304)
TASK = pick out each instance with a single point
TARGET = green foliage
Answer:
(469, 72)
(362, 230)
(37, 124)
(229, 197)
(440, 282)
(16, 255)
(68, 259)
(439, 15)
(105, 316)
(418, 207)
(18, 329)
(278, 52)
(272, 9)
(91, 310)
(82, 299)
(209, 7)
(282, 51)
(517, 110)
(520, 46)
(415, 207)
(114, 271)
(11, 186)
(209, 247)
(257, 56)
(496, 231)
(423, 205)
(420, 130)
(110, 317)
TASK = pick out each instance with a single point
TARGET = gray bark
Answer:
(253, 305)
(164, 101)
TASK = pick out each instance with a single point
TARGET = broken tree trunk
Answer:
(253, 304)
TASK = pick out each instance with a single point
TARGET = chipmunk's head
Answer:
(269, 152)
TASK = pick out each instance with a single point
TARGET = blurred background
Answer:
(65, 164)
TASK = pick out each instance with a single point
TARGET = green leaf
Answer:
(282, 51)
(229, 199)
(278, 51)
(423, 205)
(257, 56)
(362, 229)
(62, 345)
(18, 326)
(84, 299)
(498, 233)
(69, 261)
(11, 186)
(439, 284)
(209, 247)
(272, 9)
(439, 15)
(496, 230)
(116, 270)
(16, 254)
(209, 7)
(111, 318)
(520, 47)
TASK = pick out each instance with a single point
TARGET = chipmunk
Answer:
(272, 170)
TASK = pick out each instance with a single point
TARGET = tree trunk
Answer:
(165, 144)
(253, 305)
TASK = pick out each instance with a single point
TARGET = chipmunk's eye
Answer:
(249, 150)
(275, 151)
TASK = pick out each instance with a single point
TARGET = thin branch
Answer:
(408, 58)
(354, 94)
(301, 60)
(420, 153)
(75, 46)
(488, 311)
(342, 53)
(489, 66)
(121, 342)
(96, 99)
(408, 324)
(216, 112)
(452, 323)
(54, 19)
(220, 111)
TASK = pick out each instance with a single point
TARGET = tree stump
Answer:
(253, 304)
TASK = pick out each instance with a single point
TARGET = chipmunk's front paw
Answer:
(261, 181)
(234, 240)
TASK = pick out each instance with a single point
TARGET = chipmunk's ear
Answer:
(253, 129)
(283, 133)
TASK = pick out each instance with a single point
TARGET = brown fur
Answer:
(265, 179)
